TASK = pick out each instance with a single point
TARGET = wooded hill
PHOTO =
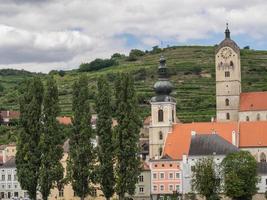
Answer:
(192, 71)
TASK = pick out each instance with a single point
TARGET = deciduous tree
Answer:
(127, 136)
(104, 132)
(240, 175)
(51, 170)
(81, 153)
(28, 149)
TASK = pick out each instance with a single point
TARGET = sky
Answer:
(45, 35)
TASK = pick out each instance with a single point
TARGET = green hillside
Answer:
(192, 73)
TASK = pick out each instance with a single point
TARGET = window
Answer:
(170, 187)
(160, 151)
(155, 187)
(141, 178)
(227, 74)
(161, 187)
(258, 117)
(3, 186)
(2, 195)
(170, 175)
(61, 193)
(170, 165)
(15, 177)
(263, 157)
(162, 165)
(227, 102)
(154, 175)
(162, 175)
(160, 115)
(3, 177)
(94, 194)
(16, 194)
(227, 116)
(172, 115)
(177, 187)
(9, 195)
(247, 118)
(9, 177)
(141, 189)
(266, 181)
(231, 63)
(177, 175)
(160, 135)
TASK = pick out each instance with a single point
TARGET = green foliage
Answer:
(61, 73)
(97, 64)
(206, 179)
(1, 88)
(190, 196)
(28, 149)
(240, 175)
(104, 132)
(156, 50)
(51, 170)
(127, 136)
(117, 56)
(81, 153)
(134, 54)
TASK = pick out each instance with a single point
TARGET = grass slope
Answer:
(194, 91)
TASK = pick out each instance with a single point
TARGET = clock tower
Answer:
(228, 79)
(163, 112)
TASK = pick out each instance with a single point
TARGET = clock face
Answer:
(226, 53)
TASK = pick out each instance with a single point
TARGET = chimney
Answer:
(185, 158)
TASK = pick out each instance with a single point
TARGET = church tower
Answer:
(163, 112)
(228, 79)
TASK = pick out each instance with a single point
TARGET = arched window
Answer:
(263, 157)
(160, 135)
(160, 115)
(247, 118)
(231, 64)
(258, 117)
(160, 151)
(227, 116)
(227, 102)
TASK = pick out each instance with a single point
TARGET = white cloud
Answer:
(42, 35)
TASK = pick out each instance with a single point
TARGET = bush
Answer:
(117, 56)
(61, 73)
(1, 88)
(134, 54)
(156, 49)
(97, 64)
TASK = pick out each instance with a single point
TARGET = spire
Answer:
(227, 32)
(163, 85)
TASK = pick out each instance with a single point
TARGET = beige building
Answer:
(163, 112)
(231, 103)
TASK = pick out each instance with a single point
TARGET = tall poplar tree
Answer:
(81, 155)
(127, 136)
(104, 132)
(28, 149)
(51, 170)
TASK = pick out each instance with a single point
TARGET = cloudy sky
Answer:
(41, 35)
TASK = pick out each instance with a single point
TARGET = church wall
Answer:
(253, 115)
(256, 151)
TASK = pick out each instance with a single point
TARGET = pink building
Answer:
(166, 177)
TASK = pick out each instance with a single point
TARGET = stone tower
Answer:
(163, 112)
(228, 79)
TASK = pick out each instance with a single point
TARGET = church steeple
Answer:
(163, 86)
(227, 32)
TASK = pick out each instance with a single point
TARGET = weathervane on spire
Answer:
(227, 31)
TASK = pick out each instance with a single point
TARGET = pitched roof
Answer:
(10, 114)
(253, 134)
(178, 142)
(11, 163)
(210, 144)
(64, 120)
(252, 101)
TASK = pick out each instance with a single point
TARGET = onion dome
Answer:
(228, 42)
(163, 87)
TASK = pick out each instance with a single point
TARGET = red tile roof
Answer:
(64, 120)
(178, 142)
(253, 134)
(10, 114)
(252, 101)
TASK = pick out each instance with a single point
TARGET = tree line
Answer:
(236, 177)
(114, 164)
